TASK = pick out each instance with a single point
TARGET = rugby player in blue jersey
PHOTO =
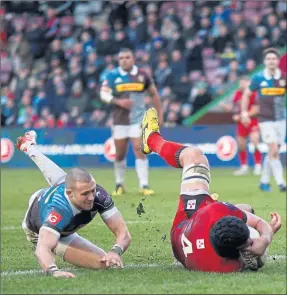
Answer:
(271, 87)
(56, 213)
(125, 89)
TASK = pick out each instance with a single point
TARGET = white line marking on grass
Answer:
(144, 265)
(98, 224)
(36, 271)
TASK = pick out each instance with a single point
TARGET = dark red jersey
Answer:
(191, 237)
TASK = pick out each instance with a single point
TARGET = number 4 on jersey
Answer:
(186, 245)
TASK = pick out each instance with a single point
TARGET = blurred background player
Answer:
(271, 87)
(56, 213)
(244, 131)
(205, 230)
(124, 88)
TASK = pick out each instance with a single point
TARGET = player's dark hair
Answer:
(271, 50)
(227, 234)
(126, 49)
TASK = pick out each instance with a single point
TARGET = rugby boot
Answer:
(146, 191)
(24, 142)
(119, 191)
(265, 187)
(149, 126)
(243, 170)
(282, 188)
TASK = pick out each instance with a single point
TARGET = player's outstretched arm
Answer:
(118, 226)
(259, 245)
(44, 253)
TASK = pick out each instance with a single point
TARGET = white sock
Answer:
(266, 171)
(120, 168)
(277, 171)
(142, 171)
(52, 172)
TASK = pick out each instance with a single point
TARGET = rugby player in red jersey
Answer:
(206, 235)
(250, 130)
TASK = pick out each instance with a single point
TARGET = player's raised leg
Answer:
(121, 145)
(196, 175)
(52, 172)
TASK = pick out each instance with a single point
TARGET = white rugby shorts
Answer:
(126, 131)
(33, 237)
(273, 131)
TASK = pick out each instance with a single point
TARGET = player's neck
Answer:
(271, 71)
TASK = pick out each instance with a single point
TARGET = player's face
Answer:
(271, 61)
(243, 84)
(84, 195)
(126, 61)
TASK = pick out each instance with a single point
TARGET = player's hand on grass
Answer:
(112, 259)
(63, 274)
(275, 222)
(257, 247)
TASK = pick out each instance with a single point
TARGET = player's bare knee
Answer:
(273, 154)
(195, 168)
(192, 155)
(120, 157)
(138, 153)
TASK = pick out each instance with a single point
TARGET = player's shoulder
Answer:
(59, 200)
(103, 198)
(113, 73)
(258, 76)
(141, 71)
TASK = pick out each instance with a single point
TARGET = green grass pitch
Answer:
(150, 267)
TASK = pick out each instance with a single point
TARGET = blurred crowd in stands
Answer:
(55, 55)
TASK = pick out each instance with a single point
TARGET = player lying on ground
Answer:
(250, 130)
(56, 213)
(206, 235)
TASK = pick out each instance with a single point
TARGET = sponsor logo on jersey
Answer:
(54, 218)
(263, 84)
(141, 78)
(191, 204)
(137, 87)
(110, 150)
(273, 91)
(282, 83)
(200, 244)
(226, 148)
(119, 80)
(7, 150)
